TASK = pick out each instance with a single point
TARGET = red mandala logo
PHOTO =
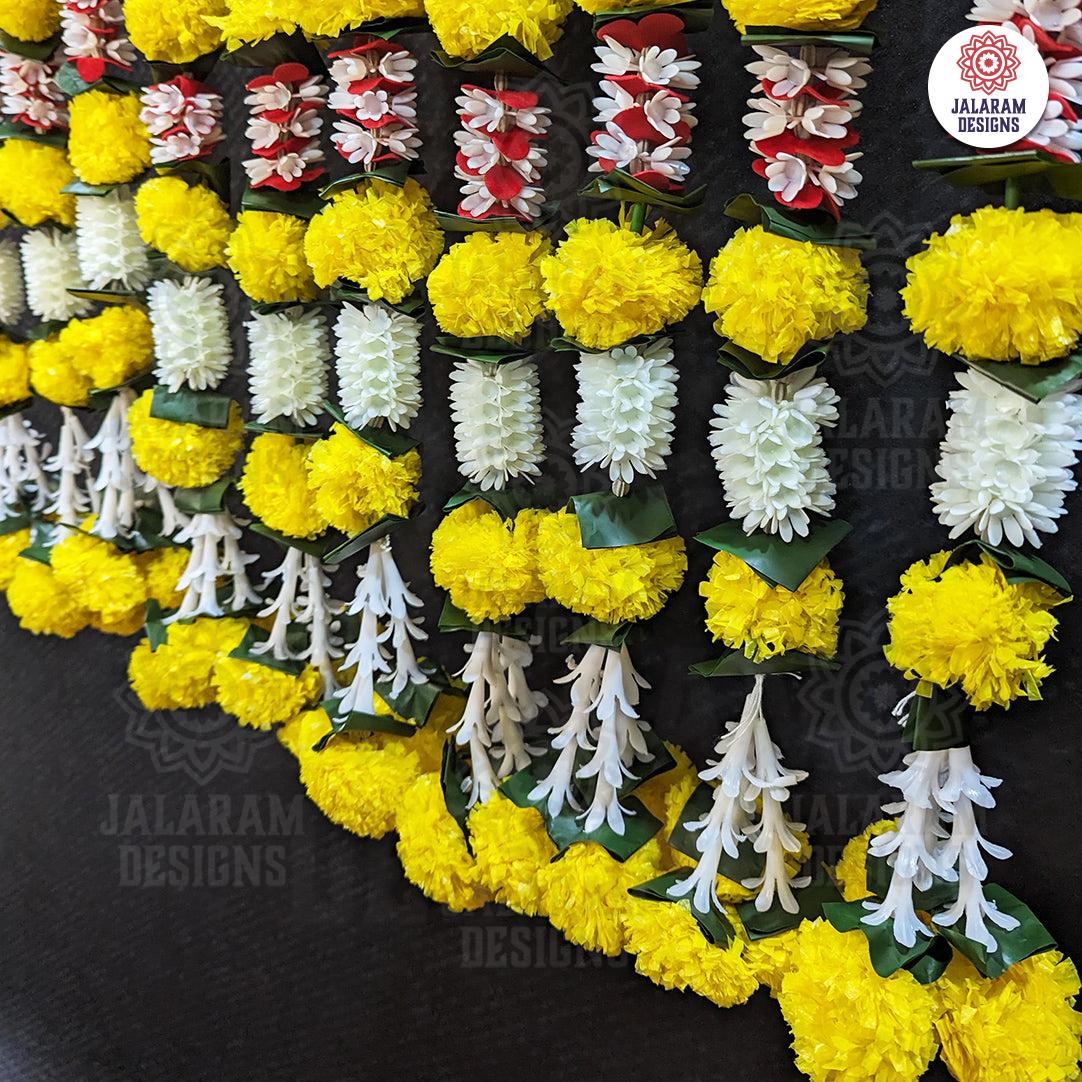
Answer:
(989, 62)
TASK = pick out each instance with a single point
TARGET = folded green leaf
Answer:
(207, 409)
(715, 925)
(750, 365)
(861, 42)
(507, 501)
(776, 919)
(155, 626)
(200, 173)
(886, 954)
(637, 518)
(32, 50)
(505, 55)
(452, 618)
(1032, 381)
(451, 222)
(1016, 566)
(482, 350)
(619, 187)
(595, 633)
(203, 501)
(390, 443)
(809, 227)
(296, 640)
(736, 664)
(295, 204)
(386, 525)
(10, 130)
(938, 721)
(454, 781)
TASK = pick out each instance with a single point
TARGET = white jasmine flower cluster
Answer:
(287, 365)
(22, 474)
(73, 492)
(12, 297)
(191, 333)
(216, 558)
(111, 252)
(50, 269)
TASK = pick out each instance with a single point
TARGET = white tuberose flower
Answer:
(51, 268)
(12, 298)
(111, 252)
(191, 333)
(287, 366)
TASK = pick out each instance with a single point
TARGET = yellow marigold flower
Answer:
(275, 486)
(999, 285)
(511, 846)
(107, 143)
(179, 674)
(615, 585)
(968, 625)
(30, 20)
(355, 485)
(848, 1023)
(31, 178)
(184, 455)
(258, 696)
(328, 18)
(382, 237)
(671, 950)
(53, 374)
(746, 613)
(175, 32)
(772, 295)
(111, 347)
(433, 851)
(607, 284)
(851, 871)
(466, 29)
(486, 563)
(11, 544)
(804, 15)
(489, 285)
(189, 224)
(770, 958)
(14, 371)
(162, 569)
(40, 604)
(584, 893)
(266, 256)
(101, 578)
(246, 22)
(1021, 1027)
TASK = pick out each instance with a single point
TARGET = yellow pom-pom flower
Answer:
(511, 846)
(41, 605)
(110, 348)
(607, 284)
(162, 569)
(382, 237)
(14, 371)
(849, 1024)
(851, 871)
(770, 958)
(746, 613)
(1021, 1027)
(433, 851)
(11, 544)
(999, 285)
(246, 22)
(466, 29)
(275, 486)
(31, 178)
(355, 485)
(108, 143)
(803, 15)
(488, 564)
(489, 285)
(184, 455)
(671, 950)
(266, 255)
(631, 582)
(30, 20)
(53, 374)
(967, 625)
(772, 294)
(258, 696)
(189, 224)
(175, 32)
(328, 18)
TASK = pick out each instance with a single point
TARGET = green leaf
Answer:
(618, 186)
(282, 426)
(296, 640)
(350, 292)
(595, 633)
(938, 721)
(1034, 170)
(775, 920)
(1032, 381)
(269, 53)
(788, 664)
(878, 874)
(506, 502)
(205, 500)
(385, 440)
(42, 539)
(747, 864)
(15, 523)
(415, 702)
(207, 409)
(32, 50)
(886, 953)
(640, 826)
(15, 407)
(932, 964)
(391, 173)
(198, 69)
(715, 925)
(505, 55)
(1029, 938)
(1016, 566)
(697, 16)
(155, 627)
(780, 563)
(451, 222)
(106, 296)
(482, 350)
(314, 546)
(101, 398)
(200, 173)
(452, 618)
(11, 130)
(80, 187)
(750, 365)
(297, 204)
(609, 521)
(861, 42)
(454, 774)
(356, 721)
(386, 525)
(809, 227)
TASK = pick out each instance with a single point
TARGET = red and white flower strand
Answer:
(29, 95)
(92, 32)
(183, 117)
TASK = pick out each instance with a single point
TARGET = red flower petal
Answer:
(90, 68)
(1044, 41)
(504, 183)
(460, 161)
(635, 124)
(632, 83)
(825, 151)
(808, 198)
(661, 28)
(290, 73)
(657, 180)
(514, 145)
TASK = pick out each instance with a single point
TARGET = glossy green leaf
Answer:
(351, 293)
(715, 925)
(205, 500)
(452, 618)
(282, 426)
(750, 365)
(1016, 566)
(297, 204)
(454, 778)
(350, 547)
(358, 722)
(200, 173)
(616, 186)
(11, 130)
(80, 187)
(609, 521)
(482, 350)
(809, 227)
(296, 639)
(938, 721)
(776, 919)
(279, 49)
(736, 664)
(1032, 381)
(886, 953)
(862, 42)
(596, 633)
(385, 440)
(391, 173)
(207, 409)
(877, 878)
(507, 501)
(155, 627)
(1029, 169)
(317, 546)
(505, 55)
(32, 50)
(451, 222)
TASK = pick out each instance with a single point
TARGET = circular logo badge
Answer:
(988, 86)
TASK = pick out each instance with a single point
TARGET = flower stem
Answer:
(638, 217)
(1012, 193)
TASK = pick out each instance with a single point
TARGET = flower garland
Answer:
(184, 119)
(92, 32)
(29, 95)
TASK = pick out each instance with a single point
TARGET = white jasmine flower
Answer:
(12, 297)
(111, 252)
(191, 333)
(118, 477)
(22, 474)
(50, 269)
(789, 73)
(287, 365)
(73, 493)
(216, 556)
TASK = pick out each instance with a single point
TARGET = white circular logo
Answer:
(988, 86)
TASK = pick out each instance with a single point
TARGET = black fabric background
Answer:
(331, 966)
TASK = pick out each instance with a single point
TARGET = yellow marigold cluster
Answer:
(851, 871)
(31, 178)
(189, 224)
(30, 20)
(53, 374)
(511, 846)
(466, 28)
(617, 585)
(383, 237)
(607, 284)
(968, 625)
(11, 544)
(266, 255)
(175, 32)
(671, 950)
(328, 18)
(1021, 1027)
(14, 371)
(179, 674)
(110, 348)
(848, 1023)
(999, 285)
(246, 22)
(275, 486)
(486, 563)
(259, 696)
(356, 485)
(107, 143)
(769, 958)
(489, 285)
(41, 605)
(184, 455)
(772, 294)
(746, 613)
(802, 15)
(432, 849)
